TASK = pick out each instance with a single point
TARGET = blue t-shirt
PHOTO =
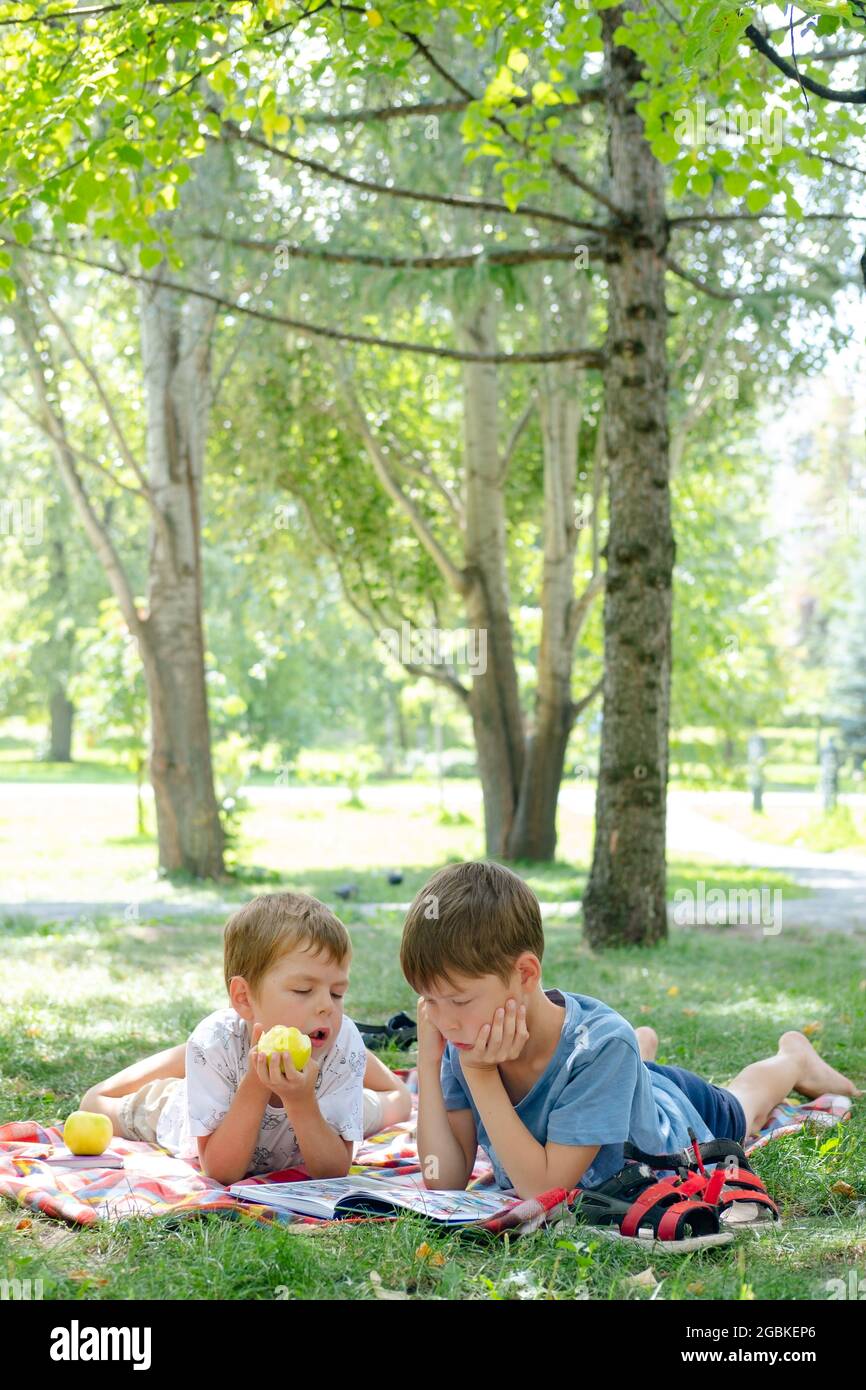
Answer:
(595, 1090)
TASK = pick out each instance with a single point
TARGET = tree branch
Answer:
(564, 170)
(714, 291)
(144, 489)
(76, 15)
(852, 96)
(586, 357)
(126, 452)
(445, 676)
(579, 607)
(40, 424)
(834, 55)
(517, 255)
(449, 200)
(421, 469)
(578, 706)
(691, 218)
(516, 432)
(96, 530)
(699, 399)
(451, 574)
(598, 465)
(839, 163)
(585, 95)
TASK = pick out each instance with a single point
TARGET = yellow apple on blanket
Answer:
(291, 1040)
(85, 1132)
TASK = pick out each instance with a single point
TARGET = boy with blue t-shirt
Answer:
(552, 1084)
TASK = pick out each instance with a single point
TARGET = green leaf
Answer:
(811, 166)
(702, 184)
(665, 148)
(128, 154)
(758, 198)
(150, 256)
(735, 183)
(680, 185)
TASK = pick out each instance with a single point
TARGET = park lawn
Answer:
(812, 829)
(83, 999)
(293, 837)
(556, 883)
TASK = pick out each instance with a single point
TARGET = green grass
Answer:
(819, 831)
(86, 768)
(309, 840)
(81, 1000)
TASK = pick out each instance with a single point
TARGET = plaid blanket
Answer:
(153, 1184)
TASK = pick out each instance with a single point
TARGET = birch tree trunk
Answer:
(625, 897)
(562, 611)
(534, 832)
(519, 799)
(175, 345)
(494, 700)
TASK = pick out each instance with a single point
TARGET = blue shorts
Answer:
(722, 1112)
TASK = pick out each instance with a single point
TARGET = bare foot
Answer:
(648, 1042)
(815, 1077)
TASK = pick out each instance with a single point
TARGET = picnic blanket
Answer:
(152, 1183)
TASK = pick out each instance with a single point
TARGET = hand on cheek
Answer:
(502, 1040)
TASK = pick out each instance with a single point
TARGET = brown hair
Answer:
(274, 923)
(470, 919)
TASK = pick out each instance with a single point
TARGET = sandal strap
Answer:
(634, 1198)
(723, 1189)
(672, 1218)
(676, 1194)
(711, 1151)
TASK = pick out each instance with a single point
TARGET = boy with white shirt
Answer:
(286, 962)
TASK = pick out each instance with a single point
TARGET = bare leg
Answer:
(795, 1067)
(104, 1098)
(648, 1042)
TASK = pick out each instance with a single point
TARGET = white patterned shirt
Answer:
(217, 1054)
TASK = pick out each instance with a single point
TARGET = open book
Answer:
(377, 1194)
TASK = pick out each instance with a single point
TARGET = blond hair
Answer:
(263, 930)
(471, 919)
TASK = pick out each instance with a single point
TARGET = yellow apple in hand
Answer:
(85, 1132)
(291, 1040)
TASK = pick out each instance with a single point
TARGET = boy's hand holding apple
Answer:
(278, 1073)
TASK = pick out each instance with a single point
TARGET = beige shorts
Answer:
(139, 1112)
(373, 1111)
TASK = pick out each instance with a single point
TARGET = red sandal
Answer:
(733, 1188)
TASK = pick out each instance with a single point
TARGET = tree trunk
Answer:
(175, 339)
(625, 897)
(494, 701)
(62, 712)
(533, 834)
